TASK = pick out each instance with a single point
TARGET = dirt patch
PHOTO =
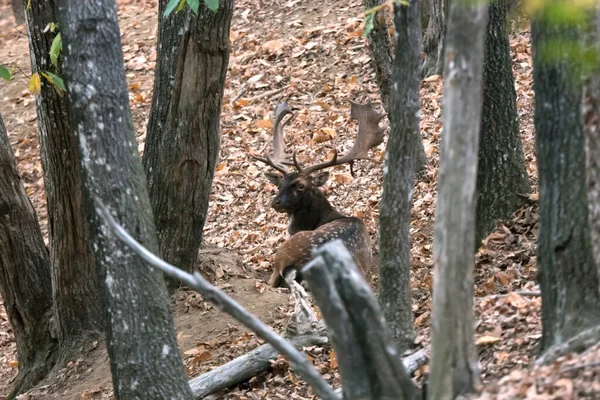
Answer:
(205, 335)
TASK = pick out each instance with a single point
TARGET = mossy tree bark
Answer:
(566, 268)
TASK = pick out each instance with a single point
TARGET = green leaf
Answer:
(5, 73)
(194, 5)
(212, 5)
(55, 49)
(181, 4)
(369, 19)
(170, 7)
(56, 81)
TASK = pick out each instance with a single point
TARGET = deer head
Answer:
(300, 187)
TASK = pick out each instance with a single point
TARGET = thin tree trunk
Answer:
(183, 138)
(382, 48)
(592, 136)
(566, 269)
(76, 288)
(24, 275)
(142, 347)
(394, 245)
(454, 361)
(433, 40)
(502, 180)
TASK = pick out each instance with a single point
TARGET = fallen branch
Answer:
(259, 360)
(245, 367)
(524, 293)
(580, 366)
(268, 93)
(577, 343)
(297, 359)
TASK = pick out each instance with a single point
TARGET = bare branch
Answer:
(297, 359)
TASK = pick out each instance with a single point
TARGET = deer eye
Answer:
(300, 186)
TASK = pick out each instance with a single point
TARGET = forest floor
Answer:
(314, 53)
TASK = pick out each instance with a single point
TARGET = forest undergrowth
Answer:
(311, 53)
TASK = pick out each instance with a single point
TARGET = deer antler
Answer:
(278, 159)
(369, 136)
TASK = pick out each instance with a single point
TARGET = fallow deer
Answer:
(313, 220)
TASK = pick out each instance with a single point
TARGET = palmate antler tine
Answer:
(281, 111)
(369, 135)
(277, 161)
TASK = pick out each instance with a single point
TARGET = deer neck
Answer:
(318, 212)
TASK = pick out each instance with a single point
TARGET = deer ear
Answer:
(320, 179)
(273, 178)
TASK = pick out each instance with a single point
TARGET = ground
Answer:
(314, 54)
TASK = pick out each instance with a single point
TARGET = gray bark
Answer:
(502, 180)
(566, 269)
(592, 137)
(396, 202)
(142, 347)
(454, 366)
(182, 143)
(382, 59)
(75, 284)
(356, 327)
(433, 40)
(24, 275)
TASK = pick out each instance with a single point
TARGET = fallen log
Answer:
(247, 366)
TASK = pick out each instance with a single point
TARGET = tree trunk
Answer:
(394, 243)
(592, 136)
(454, 361)
(502, 180)
(381, 47)
(433, 40)
(566, 269)
(142, 347)
(182, 143)
(76, 288)
(24, 275)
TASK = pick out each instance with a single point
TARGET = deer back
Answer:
(296, 251)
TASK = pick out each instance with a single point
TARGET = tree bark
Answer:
(566, 269)
(142, 347)
(182, 143)
(592, 137)
(433, 40)
(25, 283)
(356, 327)
(454, 361)
(382, 59)
(394, 243)
(502, 180)
(76, 288)
(381, 47)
